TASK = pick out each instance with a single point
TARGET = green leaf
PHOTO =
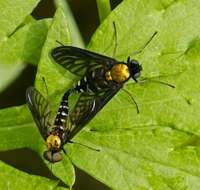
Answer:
(158, 148)
(25, 45)
(16, 122)
(12, 14)
(24, 126)
(14, 179)
(13, 41)
(55, 77)
(20, 40)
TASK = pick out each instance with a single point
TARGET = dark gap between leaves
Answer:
(14, 94)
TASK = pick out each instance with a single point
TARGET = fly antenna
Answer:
(157, 81)
(45, 84)
(51, 167)
(145, 45)
(47, 95)
(131, 96)
(64, 151)
(84, 146)
(115, 39)
(60, 43)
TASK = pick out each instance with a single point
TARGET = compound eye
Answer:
(136, 75)
(52, 157)
(134, 62)
(56, 157)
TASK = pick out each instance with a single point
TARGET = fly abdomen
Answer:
(63, 110)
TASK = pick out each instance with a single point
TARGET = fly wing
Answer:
(88, 105)
(40, 110)
(79, 61)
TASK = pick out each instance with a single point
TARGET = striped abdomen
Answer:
(62, 111)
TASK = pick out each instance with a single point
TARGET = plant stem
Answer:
(104, 9)
(75, 33)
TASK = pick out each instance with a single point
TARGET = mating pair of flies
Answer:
(102, 78)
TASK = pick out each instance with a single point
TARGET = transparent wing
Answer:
(78, 61)
(40, 110)
(88, 105)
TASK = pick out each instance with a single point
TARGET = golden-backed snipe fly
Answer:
(56, 132)
(102, 78)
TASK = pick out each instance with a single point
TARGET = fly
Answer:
(56, 132)
(101, 78)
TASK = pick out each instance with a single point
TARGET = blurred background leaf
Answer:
(12, 18)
